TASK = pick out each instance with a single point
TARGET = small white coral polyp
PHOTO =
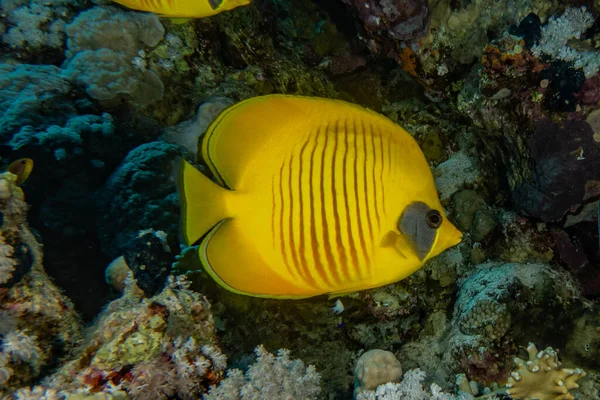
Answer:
(541, 377)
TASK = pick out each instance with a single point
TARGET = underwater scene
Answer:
(409, 210)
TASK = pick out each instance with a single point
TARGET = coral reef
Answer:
(39, 327)
(503, 98)
(108, 63)
(158, 346)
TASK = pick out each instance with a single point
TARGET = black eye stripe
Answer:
(214, 4)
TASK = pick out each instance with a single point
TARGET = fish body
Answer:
(21, 168)
(183, 8)
(315, 196)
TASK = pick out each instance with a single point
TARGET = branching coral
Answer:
(542, 378)
(411, 388)
(559, 31)
(271, 377)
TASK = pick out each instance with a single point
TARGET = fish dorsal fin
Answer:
(256, 131)
(240, 134)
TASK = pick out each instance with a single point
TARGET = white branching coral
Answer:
(411, 388)
(559, 31)
(219, 360)
(271, 377)
(542, 378)
(7, 263)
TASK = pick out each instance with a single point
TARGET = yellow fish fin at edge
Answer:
(203, 202)
(177, 20)
(203, 254)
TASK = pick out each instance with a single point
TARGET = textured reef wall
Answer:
(503, 98)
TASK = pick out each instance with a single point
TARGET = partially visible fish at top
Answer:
(21, 168)
(182, 10)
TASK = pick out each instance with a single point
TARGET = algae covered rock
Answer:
(139, 195)
(34, 313)
(472, 214)
(164, 345)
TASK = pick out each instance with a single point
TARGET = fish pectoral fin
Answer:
(397, 242)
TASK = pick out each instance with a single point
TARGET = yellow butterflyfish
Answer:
(315, 196)
(183, 9)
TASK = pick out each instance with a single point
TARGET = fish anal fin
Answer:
(178, 20)
(233, 262)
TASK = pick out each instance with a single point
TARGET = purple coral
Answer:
(399, 19)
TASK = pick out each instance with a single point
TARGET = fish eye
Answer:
(434, 219)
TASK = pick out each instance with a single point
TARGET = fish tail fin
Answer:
(203, 202)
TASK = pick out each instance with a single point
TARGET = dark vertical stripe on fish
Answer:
(359, 222)
(314, 243)
(282, 241)
(385, 163)
(368, 189)
(345, 266)
(361, 234)
(336, 217)
(301, 242)
(377, 186)
(292, 242)
(327, 249)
